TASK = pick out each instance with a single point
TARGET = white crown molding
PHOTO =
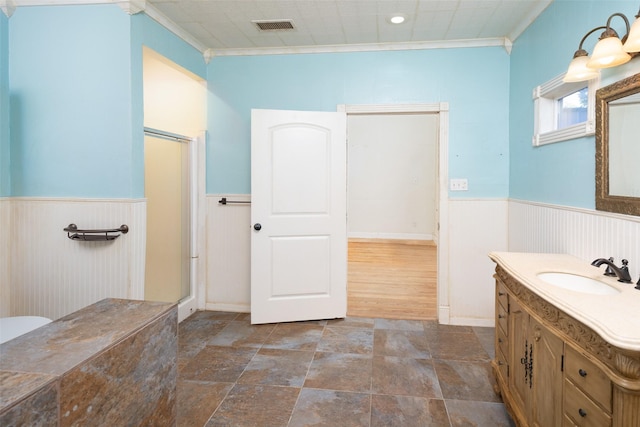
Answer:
(130, 6)
(161, 19)
(368, 47)
(8, 7)
(22, 3)
(508, 45)
(208, 55)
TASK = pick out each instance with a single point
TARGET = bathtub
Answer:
(13, 327)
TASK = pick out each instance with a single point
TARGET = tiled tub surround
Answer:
(111, 363)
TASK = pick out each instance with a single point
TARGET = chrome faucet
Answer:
(621, 272)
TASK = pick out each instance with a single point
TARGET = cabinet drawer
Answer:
(503, 366)
(581, 410)
(501, 296)
(568, 422)
(501, 318)
(501, 340)
(586, 375)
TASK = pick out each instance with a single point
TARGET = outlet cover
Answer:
(460, 184)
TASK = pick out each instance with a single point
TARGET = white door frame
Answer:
(442, 232)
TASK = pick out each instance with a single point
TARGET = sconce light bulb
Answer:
(607, 53)
(578, 70)
(633, 38)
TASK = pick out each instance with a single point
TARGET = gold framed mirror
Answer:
(618, 147)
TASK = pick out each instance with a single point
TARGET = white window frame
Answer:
(545, 99)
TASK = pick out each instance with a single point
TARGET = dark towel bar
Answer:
(224, 201)
(95, 235)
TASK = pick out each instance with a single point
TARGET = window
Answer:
(563, 111)
(572, 109)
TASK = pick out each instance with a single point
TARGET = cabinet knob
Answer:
(582, 412)
(500, 294)
(582, 372)
(537, 335)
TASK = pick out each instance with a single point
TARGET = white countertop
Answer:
(616, 318)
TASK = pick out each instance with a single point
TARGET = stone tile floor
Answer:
(338, 373)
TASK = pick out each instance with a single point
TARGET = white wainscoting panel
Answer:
(584, 233)
(228, 254)
(51, 275)
(5, 250)
(476, 227)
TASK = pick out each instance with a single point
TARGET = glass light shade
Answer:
(607, 53)
(579, 72)
(633, 39)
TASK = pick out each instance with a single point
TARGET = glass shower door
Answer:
(166, 188)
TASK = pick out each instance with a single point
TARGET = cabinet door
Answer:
(519, 355)
(546, 375)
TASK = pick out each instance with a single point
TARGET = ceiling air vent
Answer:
(277, 24)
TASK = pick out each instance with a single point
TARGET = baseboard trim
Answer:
(472, 321)
(234, 308)
(443, 315)
(390, 236)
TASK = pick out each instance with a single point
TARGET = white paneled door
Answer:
(298, 216)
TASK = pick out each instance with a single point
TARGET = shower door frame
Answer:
(197, 202)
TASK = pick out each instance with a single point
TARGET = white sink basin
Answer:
(574, 282)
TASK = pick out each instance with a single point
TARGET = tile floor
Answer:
(339, 373)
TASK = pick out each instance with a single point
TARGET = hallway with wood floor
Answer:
(392, 279)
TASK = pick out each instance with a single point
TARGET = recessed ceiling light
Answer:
(397, 19)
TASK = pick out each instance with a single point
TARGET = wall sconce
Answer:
(608, 52)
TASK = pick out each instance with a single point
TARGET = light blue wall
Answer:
(76, 99)
(561, 173)
(474, 81)
(5, 175)
(69, 73)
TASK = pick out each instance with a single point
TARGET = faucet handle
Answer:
(609, 271)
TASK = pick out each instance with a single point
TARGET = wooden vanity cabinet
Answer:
(535, 379)
(552, 370)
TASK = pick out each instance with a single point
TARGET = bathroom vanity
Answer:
(566, 354)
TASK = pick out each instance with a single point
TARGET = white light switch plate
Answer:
(460, 184)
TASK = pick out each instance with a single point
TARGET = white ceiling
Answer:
(225, 26)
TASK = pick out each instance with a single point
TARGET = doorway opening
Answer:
(395, 173)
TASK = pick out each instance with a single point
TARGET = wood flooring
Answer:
(392, 279)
